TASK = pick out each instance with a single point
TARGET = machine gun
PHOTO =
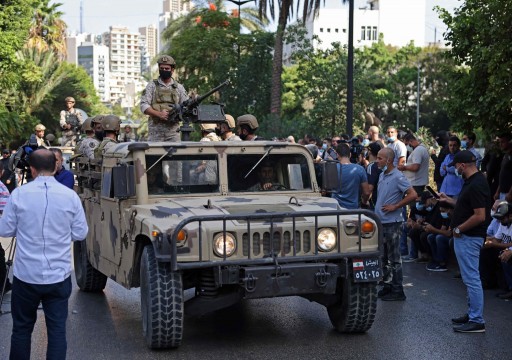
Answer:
(191, 111)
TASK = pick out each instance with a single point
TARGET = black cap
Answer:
(464, 156)
(375, 147)
(5, 151)
(425, 195)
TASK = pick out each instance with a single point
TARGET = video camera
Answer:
(20, 159)
(355, 149)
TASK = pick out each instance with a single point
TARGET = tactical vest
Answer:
(98, 152)
(164, 96)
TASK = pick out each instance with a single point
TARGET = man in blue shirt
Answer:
(392, 187)
(354, 183)
(65, 177)
(452, 184)
(45, 217)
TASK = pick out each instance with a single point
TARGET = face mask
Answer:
(444, 215)
(492, 213)
(165, 74)
(459, 174)
(463, 144)
(409, 148)
(99, 135)
(391, 139)
(324, 146)
(242, 136)
(429, 208)
(419, 206)
(366, 142)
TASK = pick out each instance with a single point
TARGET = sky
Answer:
(100, 14)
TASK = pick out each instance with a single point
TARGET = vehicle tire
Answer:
(87, 278)
(161, 293)
(355, 312)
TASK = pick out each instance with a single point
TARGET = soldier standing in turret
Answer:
(157, 100)
(226, 129)
(70, 122)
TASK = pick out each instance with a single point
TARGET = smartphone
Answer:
(434, 194)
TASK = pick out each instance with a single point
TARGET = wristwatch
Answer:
(456, 231)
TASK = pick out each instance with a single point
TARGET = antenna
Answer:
(81, 16)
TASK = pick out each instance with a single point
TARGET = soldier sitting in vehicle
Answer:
(87, 145)
(206, 170)
(247, 126)
(111, 125)
(226, 129)
(266, 179)
(155, 180)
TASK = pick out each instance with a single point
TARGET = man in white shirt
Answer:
(45, 216)
(416, 169)
(397, 146)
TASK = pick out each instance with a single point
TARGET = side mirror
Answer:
(124, 181)
(331, 176)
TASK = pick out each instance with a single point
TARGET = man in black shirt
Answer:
(6, 175)
(469, 223)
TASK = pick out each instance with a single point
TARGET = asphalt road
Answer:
(107, 326)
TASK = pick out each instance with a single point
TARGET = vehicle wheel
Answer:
(355, 312)
(161, 293)
(87, 278)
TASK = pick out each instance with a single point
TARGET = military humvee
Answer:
(167, 217)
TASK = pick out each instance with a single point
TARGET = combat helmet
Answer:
(249, 120)
(166, 60)
(207, 127)
(503, 209)
(111, 123)
(87, 125)
(39, 127)
(69, 98)
(230, 121)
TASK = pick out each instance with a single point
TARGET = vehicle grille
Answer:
(281, 243)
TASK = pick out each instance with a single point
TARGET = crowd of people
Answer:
(464, 224)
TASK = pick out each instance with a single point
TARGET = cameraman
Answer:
(356, 147)
(70, 122)
(45, 217)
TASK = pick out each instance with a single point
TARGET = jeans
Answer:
(25, 299)
(440, 247)
(393, 276)
(507, 271)
(403, 236)
(467, 249)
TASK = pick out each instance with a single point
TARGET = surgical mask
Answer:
(409, 148)
(444, 215)
(419, 206)
(324, 146)
(492, 213)
(428, 208)
(366, 142)
(99, 135)
(463, 144)
(165, 74)
(459, 174)
(391, 139)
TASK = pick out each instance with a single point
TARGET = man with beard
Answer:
(158, 100)
(247, 126)
(226, 129)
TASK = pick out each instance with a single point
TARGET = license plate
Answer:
(366, 270)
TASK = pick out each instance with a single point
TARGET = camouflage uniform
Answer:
(106, 144)
(67, 117)
(87, 147)
(159, 96)
(208, 168)
(233, 137)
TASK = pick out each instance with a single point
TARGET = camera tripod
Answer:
(8, 264)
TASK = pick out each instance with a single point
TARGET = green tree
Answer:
(48, 30)
(479, 36)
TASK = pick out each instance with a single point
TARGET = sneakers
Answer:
(394, 296)
(433, 266)
(384, 291)
(506, 295)
(461, 320)
(409, 258)
(470, 327)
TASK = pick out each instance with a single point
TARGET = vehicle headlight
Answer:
(326, 239)
(351, 228)
(218, 244)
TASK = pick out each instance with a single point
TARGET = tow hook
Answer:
(249, 283)
(321, 277)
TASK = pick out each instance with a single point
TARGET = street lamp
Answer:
(239, 3)
(418, 100)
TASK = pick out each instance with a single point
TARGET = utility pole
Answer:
(418, 100)
(81, 17)
(239, 3)
(350, 70)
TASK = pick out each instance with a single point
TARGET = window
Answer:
(321, 29)
(374, 33)
(284, 172)
(368, 33)
(336, 30)
(363, 33)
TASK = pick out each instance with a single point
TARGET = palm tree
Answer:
(285, 8)
(48, 30)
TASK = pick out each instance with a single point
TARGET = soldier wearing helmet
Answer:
(208, 132)
(39, 131)
(96, 126)
(111, 125)
(247, 126)
(158, 99)
(70, 122)
(226, 129)
(87, 145)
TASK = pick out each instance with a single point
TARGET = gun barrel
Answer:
(215, 89)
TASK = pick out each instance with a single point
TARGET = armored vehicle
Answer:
(200, 217)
